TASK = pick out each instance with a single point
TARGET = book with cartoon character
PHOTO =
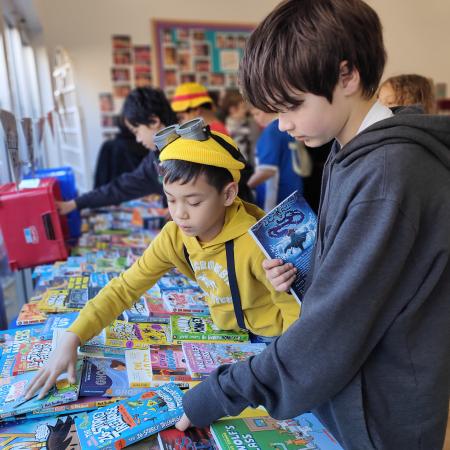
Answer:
(132, 419)
(185, 302)
(288, 232)
(50, 433)
(196, 328)
(202, 358)
(131, 335)
(30, 314)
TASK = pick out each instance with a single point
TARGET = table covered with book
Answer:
(131, 377)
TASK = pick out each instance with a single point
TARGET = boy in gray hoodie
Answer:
(370, 354)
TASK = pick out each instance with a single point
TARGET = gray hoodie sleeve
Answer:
(128, 186)
(353, 298)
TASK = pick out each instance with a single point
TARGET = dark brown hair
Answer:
(412, 89)
(232, 98)
(299, 47)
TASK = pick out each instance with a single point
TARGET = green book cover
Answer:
(193, 328)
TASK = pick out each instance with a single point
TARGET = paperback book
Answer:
(30, 314)
(77, 298)
(61, 321)
(139, 312)
(132, 335)
(12, 391)
(106, 377)
(288, 232)
(202, 359)
(303, 432)
(192, 438)
(195, 328)
(130, 420)
(55, 300)
(185, 302)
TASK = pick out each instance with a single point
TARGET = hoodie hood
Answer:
(431, 132)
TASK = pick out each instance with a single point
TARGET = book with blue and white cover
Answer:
(288, 232)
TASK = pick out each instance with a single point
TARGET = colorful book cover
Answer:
(139, 368)
(12, 391)
(185, 302)
(190, 328)
(77, 298)
(93, 351)
(130, 420)
(57, 321)
(78, 282)
(106, 377)
(156, 307)
(50, 433)
(170, 282)
(139, 312)
(192, 438)
(132, 335)
(202, 358)
(168, 361)
(31, 356)
(54, 300)
(30, 314)
(99, 280)
(288, 232)
(303, 432)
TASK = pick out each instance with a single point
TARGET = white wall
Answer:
(416, 37)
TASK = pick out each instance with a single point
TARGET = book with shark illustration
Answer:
(288, 232)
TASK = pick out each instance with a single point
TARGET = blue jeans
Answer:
(258, 339)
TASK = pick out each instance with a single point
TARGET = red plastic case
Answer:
(33, 231)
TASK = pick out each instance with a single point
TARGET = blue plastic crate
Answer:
(66, 179)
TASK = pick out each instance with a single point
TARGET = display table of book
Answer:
(131, 377)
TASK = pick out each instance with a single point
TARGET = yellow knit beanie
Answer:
(208, 152)
(189, 95)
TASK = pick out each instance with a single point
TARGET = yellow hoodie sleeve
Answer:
(122, 292)
(286, 303)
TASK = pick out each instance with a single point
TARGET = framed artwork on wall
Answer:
(205, 52)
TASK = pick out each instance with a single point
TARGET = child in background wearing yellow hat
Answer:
(200, 179)
(192, 100)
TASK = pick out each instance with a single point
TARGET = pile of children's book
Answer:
(131, 377)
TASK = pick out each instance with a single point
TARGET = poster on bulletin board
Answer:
(205, 52)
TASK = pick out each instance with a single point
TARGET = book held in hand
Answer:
(288, 232)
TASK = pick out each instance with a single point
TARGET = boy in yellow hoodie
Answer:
(207, 241)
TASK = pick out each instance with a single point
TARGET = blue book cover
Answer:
(106, 377)
(12, 391)
(57, 321)
(288, 232)
(132, 419)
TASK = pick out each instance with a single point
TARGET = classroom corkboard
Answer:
(205, 52)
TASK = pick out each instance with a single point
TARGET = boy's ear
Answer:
(349, 79)
(230, 192)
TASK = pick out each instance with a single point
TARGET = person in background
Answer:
(406, 90)
(145, 111)
(192, 100)
(239, 124)
(118, 155)
(370, 354)
(274, 178)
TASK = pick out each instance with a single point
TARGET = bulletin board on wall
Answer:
(205, 52)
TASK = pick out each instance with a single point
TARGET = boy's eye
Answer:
(194, 204)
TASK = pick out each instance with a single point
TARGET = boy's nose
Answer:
(284, 124)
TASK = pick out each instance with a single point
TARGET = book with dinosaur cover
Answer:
(203, 358)
(303, 432)
(132, 419)
(288, 232)
(194, 329)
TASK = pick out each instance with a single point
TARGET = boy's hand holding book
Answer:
(62, 359)
(281, 275)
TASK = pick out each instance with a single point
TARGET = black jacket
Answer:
(370, 354)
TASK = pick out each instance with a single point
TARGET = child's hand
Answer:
(62, 359)
(66, 207)
(281, 275)
(183, 424)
